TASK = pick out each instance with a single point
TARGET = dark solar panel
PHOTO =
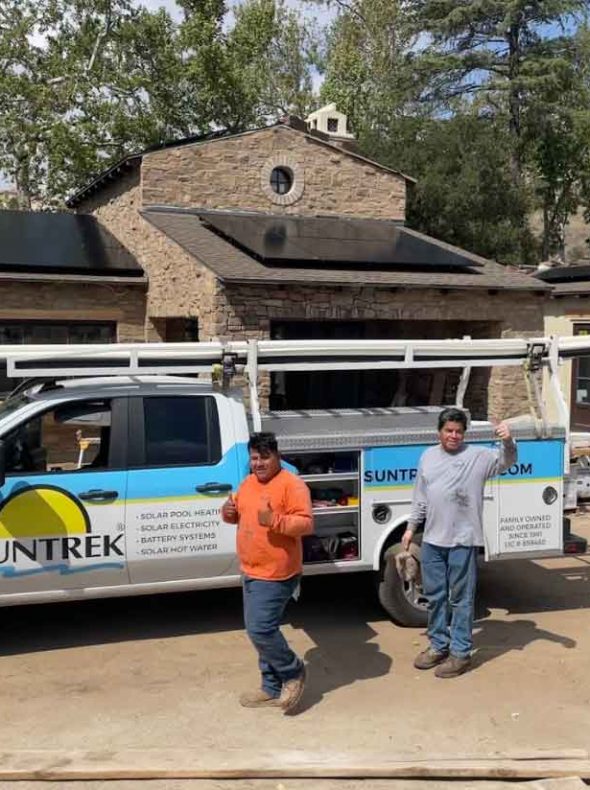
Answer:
(61, 244)
(338, 240)
(562, 274)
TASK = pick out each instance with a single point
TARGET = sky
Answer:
(321, 13)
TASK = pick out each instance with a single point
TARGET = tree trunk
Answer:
(23, 186)
(514, 103)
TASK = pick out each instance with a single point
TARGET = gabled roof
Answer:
(134, 160)
(44, 243)
(233, 265)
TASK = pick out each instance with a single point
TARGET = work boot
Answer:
(259, 699)
(292, 692)
(453, 667)
(430, 658)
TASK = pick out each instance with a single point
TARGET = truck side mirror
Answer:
(2, 463)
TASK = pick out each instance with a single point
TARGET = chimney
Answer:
(328, 123)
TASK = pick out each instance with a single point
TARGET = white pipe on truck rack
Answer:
(560, 402)
(282, 355)
(252, 373)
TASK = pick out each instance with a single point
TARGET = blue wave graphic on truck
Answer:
(10, 572)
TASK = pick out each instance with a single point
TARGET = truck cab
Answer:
(113, 485)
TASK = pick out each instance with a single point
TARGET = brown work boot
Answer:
(292, 692)
(259, 699)
(453, 667)
(429, 658)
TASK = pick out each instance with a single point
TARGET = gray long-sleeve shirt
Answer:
(448, 495)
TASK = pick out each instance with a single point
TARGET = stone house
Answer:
(286, 232)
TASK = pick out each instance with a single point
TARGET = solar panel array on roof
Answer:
(37, 242)
(332, 240)
(562, 274)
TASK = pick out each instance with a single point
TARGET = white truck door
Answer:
(186, 463)
(529, 521)
(62, 523)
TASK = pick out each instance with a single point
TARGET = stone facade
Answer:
(76, 300)
(226, 174)
(179, 286)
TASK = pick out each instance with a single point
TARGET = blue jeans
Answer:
(264, 605)
(448, 577)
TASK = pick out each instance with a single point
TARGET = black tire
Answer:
(404, 602)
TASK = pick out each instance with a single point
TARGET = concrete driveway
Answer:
(165, 672)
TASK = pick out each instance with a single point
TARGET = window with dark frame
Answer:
(41, 332)
(582, 381)
(332, 124)
(181, 431)
(71, 437)
(281, 180)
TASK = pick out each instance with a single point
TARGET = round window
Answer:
(281, 180)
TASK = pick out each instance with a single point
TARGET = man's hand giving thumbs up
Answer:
(265, 512)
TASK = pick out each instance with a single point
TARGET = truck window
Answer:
(71, 437)
(181, 431)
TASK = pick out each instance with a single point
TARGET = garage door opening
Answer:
(377, 389)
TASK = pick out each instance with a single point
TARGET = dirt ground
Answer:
(165, 672)
(300, 784)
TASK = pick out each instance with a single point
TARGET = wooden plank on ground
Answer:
(565, 783)
(240, 764)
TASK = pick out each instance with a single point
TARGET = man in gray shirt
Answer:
(448, 500)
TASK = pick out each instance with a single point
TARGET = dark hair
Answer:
(263, 443)
(452, 415)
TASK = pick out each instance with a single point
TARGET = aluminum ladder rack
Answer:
(132, 359)
(258, 356)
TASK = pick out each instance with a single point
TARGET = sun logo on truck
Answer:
(44, 529)
(42, 511)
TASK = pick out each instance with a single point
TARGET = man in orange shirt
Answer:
(273, 511)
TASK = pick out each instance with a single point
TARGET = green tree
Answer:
(485, 102)
(24, 108)
(464, 193)
(120, 90)
(369, 71)
(251, 72)
(82, 84)
(558, 130)
(504, 52)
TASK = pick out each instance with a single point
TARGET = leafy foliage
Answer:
(464, 192)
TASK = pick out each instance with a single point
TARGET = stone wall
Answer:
(179, 286)
(76, 301)
(233, 173)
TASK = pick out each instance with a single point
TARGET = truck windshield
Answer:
(13, 402)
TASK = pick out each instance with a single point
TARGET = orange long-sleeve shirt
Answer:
(275, 552)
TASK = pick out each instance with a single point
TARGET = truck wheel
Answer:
(403, 601)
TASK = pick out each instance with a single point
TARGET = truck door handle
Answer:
(214, 488)
(98, 495)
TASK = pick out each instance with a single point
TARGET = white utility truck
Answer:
(115, 460)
